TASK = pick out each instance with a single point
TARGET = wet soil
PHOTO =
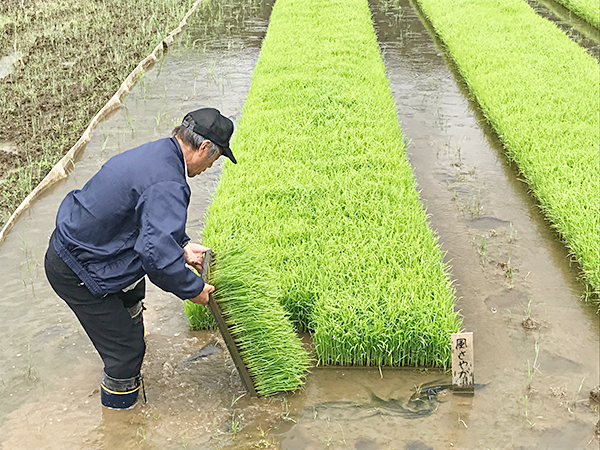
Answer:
(578, 30)
(49, 387)
(74, 55)
(508, 264)
(533, 384)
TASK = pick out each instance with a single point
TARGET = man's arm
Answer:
(162, 213)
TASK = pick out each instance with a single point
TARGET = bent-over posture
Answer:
(128, 221)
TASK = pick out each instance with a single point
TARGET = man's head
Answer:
(207, 133)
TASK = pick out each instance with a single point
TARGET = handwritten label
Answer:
(463, 379)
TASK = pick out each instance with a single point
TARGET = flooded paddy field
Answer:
(536, 342)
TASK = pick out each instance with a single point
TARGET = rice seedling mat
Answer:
(539, 90)
(588, 10)
(217, 313)
(323, 191)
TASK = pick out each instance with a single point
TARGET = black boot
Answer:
(119, 393)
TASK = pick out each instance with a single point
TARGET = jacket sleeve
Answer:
(162, 214)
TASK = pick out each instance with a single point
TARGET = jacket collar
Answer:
(179, 153)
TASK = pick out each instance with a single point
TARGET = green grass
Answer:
(586, 9)
(540, 92)
(75, 56)
(324, 192)
(199, 318)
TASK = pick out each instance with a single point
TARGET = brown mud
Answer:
(74, 55)
(533, 384)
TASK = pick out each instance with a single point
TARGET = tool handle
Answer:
(208, 254)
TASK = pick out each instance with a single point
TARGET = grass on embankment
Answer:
(75, 55)
(540, 92)
(324, 191)
(586, 9)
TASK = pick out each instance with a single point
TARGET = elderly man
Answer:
(128, 221)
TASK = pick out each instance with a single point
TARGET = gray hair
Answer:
(194, 140)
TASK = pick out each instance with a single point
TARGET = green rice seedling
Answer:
(532, 369)
(586, 9)
(576, 23)
(199, 318)
(527, 410)
(259, 325)
(483, 247)
(539, 90)
(324, 192)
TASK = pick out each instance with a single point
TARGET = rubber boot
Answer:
(119, 393)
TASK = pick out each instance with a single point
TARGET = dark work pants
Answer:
(117, 337)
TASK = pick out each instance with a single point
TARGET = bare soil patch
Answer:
(75, 56)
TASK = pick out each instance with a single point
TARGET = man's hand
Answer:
(202, 299)
(194, 255)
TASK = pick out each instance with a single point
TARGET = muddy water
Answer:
(505, 260)
(502, 254)
(49, 373)
(578, 30)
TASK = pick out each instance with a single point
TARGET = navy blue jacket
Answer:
(129, 220)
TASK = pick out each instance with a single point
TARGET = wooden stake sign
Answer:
(463, 380)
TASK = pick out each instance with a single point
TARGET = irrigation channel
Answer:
(581, 32)
(533, 380)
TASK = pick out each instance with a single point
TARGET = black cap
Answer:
(209, 122)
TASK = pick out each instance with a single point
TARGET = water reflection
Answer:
(506, 260)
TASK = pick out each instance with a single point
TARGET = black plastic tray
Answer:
(217, 313)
